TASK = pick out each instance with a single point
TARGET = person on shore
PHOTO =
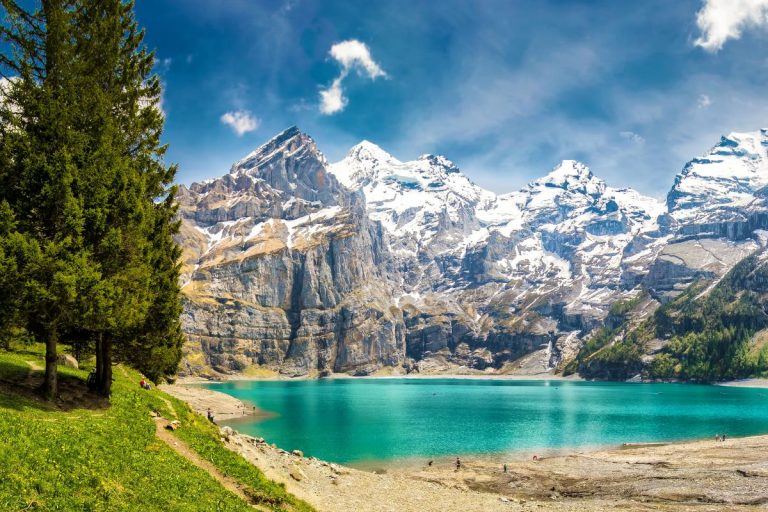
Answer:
(723, 438)
(458, 463)
(505, 468)
(210, 416)
(430, 463)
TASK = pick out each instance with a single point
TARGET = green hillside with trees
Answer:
(707, 335)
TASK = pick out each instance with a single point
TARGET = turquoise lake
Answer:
(356, 420)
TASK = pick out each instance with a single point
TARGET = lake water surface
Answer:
(354, 420)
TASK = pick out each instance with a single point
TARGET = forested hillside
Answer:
(709, 333)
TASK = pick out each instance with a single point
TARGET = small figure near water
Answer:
(210, 416)
(458, 463)
(505, 468)
(430, 463)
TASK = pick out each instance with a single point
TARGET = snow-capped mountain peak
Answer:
(363, 164)
(420, 198)
(715, 186)
(368, 166)
(368, 151)
(440, 162)
(290, 143)
(574, 176)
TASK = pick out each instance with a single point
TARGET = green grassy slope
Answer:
(84, 454)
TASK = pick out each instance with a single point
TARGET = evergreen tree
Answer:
(134, 310)
(39, 175)
(155, 347)
(84, 178)
(10, 306)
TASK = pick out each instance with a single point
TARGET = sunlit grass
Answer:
(108, 458)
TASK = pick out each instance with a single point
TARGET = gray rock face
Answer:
(303, 267)
(288, 273)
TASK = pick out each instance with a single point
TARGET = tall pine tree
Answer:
(87, 188)
(39, 176)
(129, 210)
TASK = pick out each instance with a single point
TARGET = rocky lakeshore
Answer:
(698, 475)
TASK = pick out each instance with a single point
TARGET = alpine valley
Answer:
(372, 265)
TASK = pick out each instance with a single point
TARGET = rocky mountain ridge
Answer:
(306, 267)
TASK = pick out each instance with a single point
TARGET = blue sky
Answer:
(506, 89)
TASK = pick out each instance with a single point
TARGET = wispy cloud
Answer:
(491, 96)
(721, 20)
(241, 121)
(632, 137)
(351, 54)
(704, 101)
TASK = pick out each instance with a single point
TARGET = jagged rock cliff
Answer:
(306, 267)
(284, 269)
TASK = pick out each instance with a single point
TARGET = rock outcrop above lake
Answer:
(310, 268)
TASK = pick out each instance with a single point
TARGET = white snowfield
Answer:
(568, 225)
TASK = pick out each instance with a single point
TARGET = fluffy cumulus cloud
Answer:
(241, 121)
(352, 55)
(721, 20)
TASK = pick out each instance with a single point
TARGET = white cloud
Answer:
(241, 121)
(704, 101)
(351, 54)
(632, 136)
(721, 20)
(332, 99)
(354, 54)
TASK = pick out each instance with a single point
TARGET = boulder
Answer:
(297, 474)
(67, 361)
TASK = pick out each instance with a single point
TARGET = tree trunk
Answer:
(99, 361)
(51, 382)
(105, 385)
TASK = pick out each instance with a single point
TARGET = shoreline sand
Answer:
(745, 383)
(704, 475)
(187, 380)
(760, 383)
